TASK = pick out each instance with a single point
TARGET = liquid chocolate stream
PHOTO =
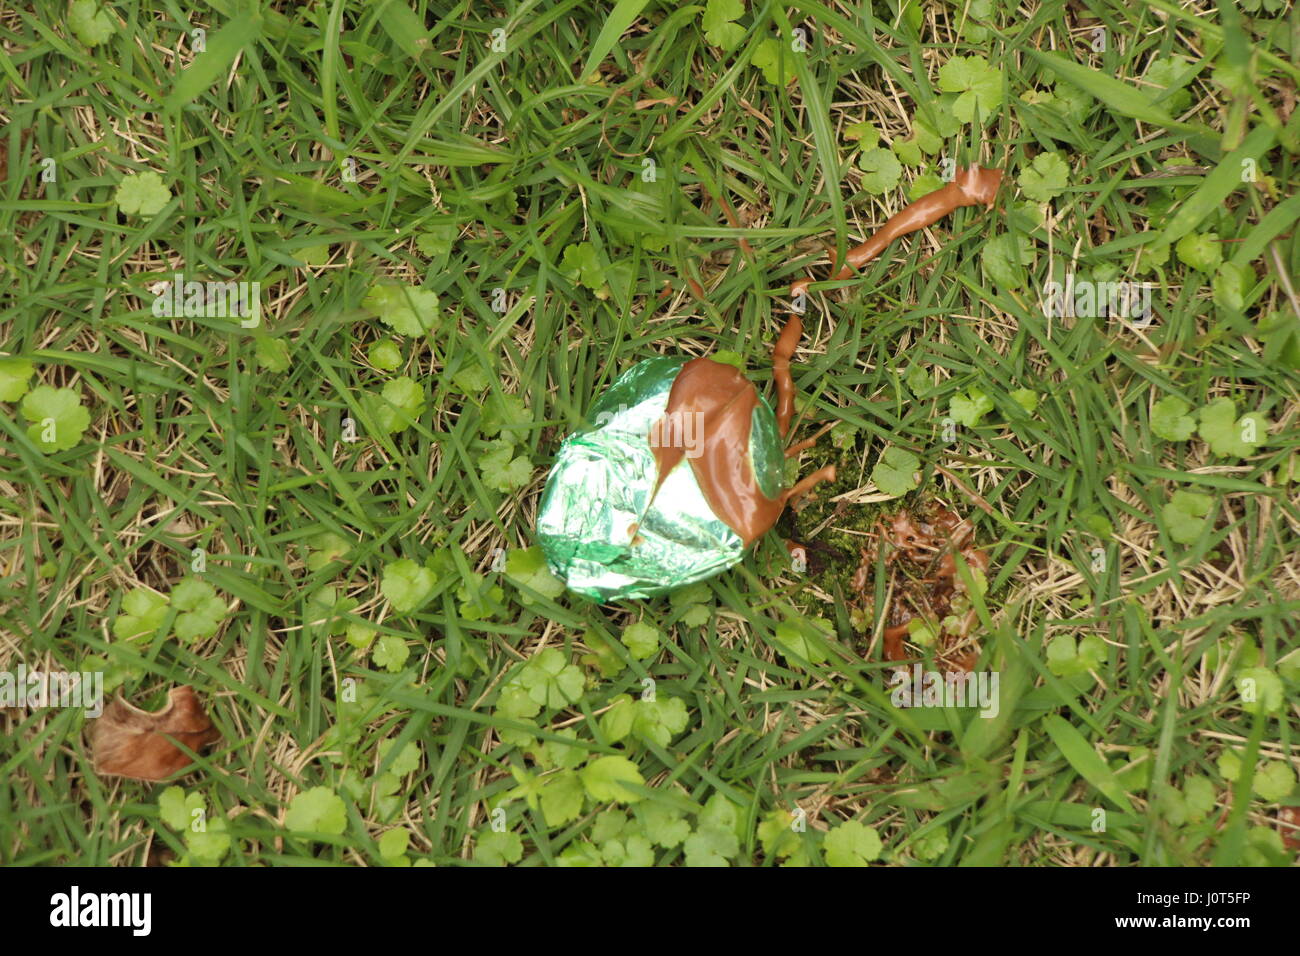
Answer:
(781, 355)
(972, 186)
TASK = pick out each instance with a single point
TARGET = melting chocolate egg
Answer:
(680, 474)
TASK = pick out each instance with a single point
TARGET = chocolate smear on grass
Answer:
(972, 186)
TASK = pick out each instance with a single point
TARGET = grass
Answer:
(200, 439)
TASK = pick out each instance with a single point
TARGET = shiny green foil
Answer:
(598, 496)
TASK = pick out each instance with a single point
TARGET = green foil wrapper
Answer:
(598, 497)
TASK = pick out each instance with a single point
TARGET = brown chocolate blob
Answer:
(725, 400)
(972, 186)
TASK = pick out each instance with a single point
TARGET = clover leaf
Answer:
(1199, 797)
(1230, 284)
(58, 418)
(272, 354)
(923, 185)
(880, 170)
(498, 847)
(211, 843)
(14, 373)
(1185, 515)
(384, 354)
(1068, 658)
(928, 847)
(359, 635)
(715, 840)
(392, 846)
(1230, 436)
(390, 652)
(143, 612)
(527, 568)
(864, 134)
(694, 602)
(1279, 330)
(776, 836)
(201, 609)
(551, 680)
(852, 843)
(972, 31)
(979, 86)
(1260, 690)
(1004, 257)
(1162, 73)
(504, 413)
(1201, 251)
(641, 640)
(711, 846)
(795, 640)
(479, 601)
(660, 720)
(91, 25)
(404, 309)
(472, 379)
(775, 61)
(1229, 765)
(1046, 178)
(663, 825)
(407, 585)
(719, 29)
(174, 807)
(554, 753)
(895, 473)
(970, 408)
(208, 841)
(924, 141)
(632, 849)
(606, 779)
(501, 469)
(399, 405)
(1274, 781)
(326, 548)
(437, 240)
(142, 194)
(317, 810)
(1169, 419)
(1026, 399)
(562, 796)
(617, 722)
(581, 264)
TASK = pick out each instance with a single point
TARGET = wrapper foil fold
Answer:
(602, 527)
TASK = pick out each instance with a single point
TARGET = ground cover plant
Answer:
(427, 235)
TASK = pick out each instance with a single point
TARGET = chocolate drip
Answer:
(781, 355)
(972, 186)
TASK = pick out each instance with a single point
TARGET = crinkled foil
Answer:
(597, 499)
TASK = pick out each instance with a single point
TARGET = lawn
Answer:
(438, 231)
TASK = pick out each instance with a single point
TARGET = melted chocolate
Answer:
(781, 355)
(725, 400)
(972, 186)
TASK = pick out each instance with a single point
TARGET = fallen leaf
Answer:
(919, 549)
(129, 742)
